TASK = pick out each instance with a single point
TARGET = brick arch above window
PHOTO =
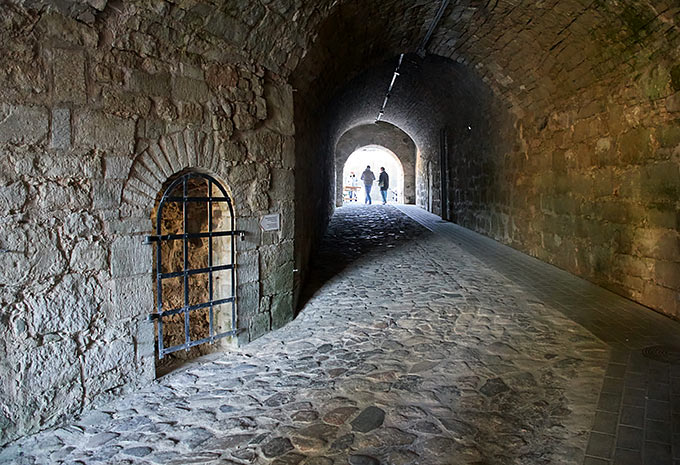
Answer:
(171, 154)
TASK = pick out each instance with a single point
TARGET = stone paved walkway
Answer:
(411, 351)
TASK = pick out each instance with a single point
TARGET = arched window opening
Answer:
(376, 157)
(193, 269)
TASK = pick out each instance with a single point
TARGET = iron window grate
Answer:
(186, 201)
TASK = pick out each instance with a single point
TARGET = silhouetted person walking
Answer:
(384, 184)
(368, 177)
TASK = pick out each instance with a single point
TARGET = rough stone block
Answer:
(50, 365)
(149, 84)
(80, 224)
(66, 165)
(132, 297)
(106, 132)
(279, 99)
(259, 325)
(67, 29)
(667, 274)
(125, 104)
(276, 267)
(68, 70)
(188, 89)
(106, 194)
(88, 256)
(673, 103)
(117, 167)
(251, 228)
(263, 146)
(15, 268)
(662, 298)
(226, 27)
(662, 244)
(635, 146)
(23, 124)
(247, 299)
(283, 185)
(69, 307)
(134, 225)
(288, 152)
(218, 76)
(661, 182)
(247, 267)
(52, 196)
(13, 197)
(669, 136)
(61, 129)
(281, 309)
(116, 351)
(130, 256)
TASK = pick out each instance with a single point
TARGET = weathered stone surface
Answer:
(494, 387)
(68, 69)
(13, 197)
(339, 415)
(129, 256)
(369, 419)
(60, 137)
(363, 460)
(22, 124)
(276, 447)
(109, 133)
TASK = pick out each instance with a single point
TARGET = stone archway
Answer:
(384, 135)
(376, 156)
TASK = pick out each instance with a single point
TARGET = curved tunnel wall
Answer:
(566, 150)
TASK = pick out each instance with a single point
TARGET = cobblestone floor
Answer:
(410, 350)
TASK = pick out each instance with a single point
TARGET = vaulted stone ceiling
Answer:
(543, 47)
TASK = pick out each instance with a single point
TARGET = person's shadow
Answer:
(357, 231)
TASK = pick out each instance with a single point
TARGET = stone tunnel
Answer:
(546, 132)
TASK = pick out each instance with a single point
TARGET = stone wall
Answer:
(593, 189)
(589, 179)
(95, 115)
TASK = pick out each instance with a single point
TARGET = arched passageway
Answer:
(376, 158)
(549, 126)
(387, 136)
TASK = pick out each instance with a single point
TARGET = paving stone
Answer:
(494, 387)
(339, 415)
(276, 447)
(369, 419)
(363, 460)
(343, 442)
(141, 451)
(306, 416)
(289, 459)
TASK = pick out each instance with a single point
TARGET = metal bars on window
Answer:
(188, 201)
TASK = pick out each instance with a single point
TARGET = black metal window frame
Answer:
(186, 272)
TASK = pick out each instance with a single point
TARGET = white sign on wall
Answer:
(271, 222)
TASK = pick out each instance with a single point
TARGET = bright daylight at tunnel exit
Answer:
(340, 232)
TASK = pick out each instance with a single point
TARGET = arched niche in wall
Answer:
(193, 269)
(384, 135)
(156, 164)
